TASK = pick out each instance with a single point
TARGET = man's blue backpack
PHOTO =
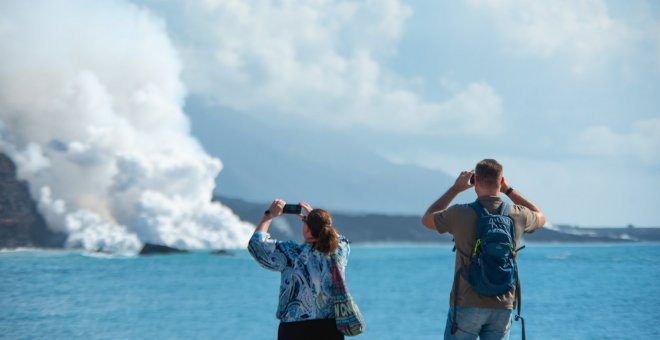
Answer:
(493, 270)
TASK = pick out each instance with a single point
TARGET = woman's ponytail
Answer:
(320, 224)
(327, 241)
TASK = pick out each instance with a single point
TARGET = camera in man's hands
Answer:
(292, 209)
(472, 179)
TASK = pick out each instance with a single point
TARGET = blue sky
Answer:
(563, 93)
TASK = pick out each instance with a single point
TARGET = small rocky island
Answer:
(159, 249)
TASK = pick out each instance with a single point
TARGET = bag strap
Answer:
(518, 317)
(519, 300)
(461, 271)
(454, 323)
(504, 211)
(334, 263)
(337, 275)
(481, 211)
(505, 208)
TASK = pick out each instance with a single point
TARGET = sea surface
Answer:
(575, 291)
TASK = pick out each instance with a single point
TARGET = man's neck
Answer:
(494, 192)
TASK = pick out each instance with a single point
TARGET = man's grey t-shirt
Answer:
(460, 220)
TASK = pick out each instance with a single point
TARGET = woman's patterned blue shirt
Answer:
(306, 280)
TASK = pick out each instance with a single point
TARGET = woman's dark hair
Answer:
(320, 224)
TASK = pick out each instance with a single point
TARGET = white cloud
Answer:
(477, 109)
(320, 61)
(641, 143)
(581, 31)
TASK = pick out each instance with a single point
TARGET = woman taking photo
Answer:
(305, 308)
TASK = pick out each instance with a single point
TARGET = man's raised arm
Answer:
(517, 198)
(462, 183)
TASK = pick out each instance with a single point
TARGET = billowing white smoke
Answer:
(90, 110)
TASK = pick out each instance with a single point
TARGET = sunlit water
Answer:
(569, 292)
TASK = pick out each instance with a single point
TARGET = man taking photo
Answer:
(487, 233)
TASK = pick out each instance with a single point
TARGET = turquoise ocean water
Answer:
(569, 292)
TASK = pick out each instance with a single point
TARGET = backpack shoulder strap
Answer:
(481, 211)
(505, 208)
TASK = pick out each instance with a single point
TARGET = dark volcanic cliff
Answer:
(21, 225)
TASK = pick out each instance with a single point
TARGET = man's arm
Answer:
(517, 198)
(461, 183)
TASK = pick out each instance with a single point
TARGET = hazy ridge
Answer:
(384, 228)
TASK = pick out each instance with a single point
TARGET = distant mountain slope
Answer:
(263, 161)
(363, 228)
(381, 228)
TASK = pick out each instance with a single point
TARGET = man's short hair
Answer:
(489, 173)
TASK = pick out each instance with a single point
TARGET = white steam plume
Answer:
(90, 110)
